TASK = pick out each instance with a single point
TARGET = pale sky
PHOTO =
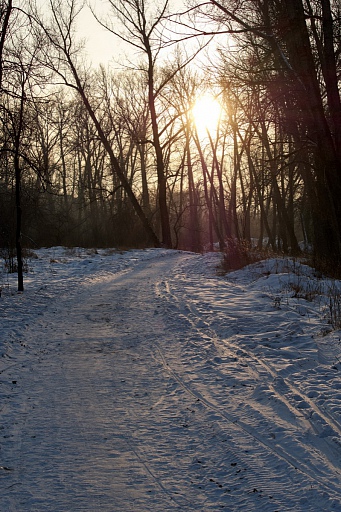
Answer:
(101, 45)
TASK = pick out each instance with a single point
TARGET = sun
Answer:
(206, 113)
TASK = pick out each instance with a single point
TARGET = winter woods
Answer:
(115, 155)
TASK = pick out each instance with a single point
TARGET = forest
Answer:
(221, 123)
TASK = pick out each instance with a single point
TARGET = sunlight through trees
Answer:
(222, 121)
(206, 114)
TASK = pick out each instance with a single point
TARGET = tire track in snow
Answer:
(279, 382)
(246, 430)
(262, 370)
(208, 423)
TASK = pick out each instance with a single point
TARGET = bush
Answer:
(240, 253)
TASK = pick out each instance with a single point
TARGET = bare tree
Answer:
(20, 49)
(59, 32)
(281, 29)
(141, 25)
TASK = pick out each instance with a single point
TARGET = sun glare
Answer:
(206, 113)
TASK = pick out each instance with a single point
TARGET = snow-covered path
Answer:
(156, 387)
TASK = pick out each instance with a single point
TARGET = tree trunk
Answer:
(5, 22)
(330, 74)
(327, 164)
(193, 212)
(17, 172)
(145, 191)
(18, 222)
(160, 165)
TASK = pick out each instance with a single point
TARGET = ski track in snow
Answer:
(144, 381)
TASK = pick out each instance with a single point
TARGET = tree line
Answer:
(107, 157)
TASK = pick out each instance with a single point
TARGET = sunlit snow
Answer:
(148, 381)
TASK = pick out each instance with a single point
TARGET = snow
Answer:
(148, 381)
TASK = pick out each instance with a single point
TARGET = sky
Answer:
(101, 46)
(149, 380)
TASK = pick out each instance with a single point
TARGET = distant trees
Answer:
(141, 24)
(59, 33)
(140, 28)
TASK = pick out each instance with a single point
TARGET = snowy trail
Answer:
(155, 388)
(238, 369)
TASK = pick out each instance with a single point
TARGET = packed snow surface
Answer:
(148, 381)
